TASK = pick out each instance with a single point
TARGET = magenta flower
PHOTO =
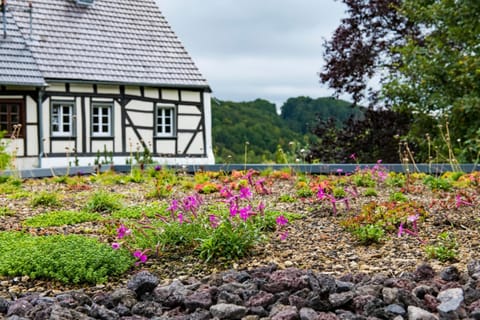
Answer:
(281, 221)
(261, 207)
(245, 212)
(141, 256)
(321, 194)
(353, 156)
(213, 221)
(173, 206)
(226, 192)
(245, 193)
(459, 202)
(115, 246)
(123, 231)
(233, 208)
(180, 218)
(260, 186)
(400, 230)
(284, 235)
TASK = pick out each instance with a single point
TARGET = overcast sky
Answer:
(248, 49)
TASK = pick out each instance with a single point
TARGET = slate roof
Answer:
(17, 65)
(112, 41)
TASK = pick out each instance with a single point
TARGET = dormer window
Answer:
(84, 2)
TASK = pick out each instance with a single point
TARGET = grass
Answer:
(61, 218)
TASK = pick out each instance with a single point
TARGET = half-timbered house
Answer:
(87, 79)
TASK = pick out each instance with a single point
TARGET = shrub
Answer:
(368, 234)
(103, 202)
(60, 218)
(445, 248)
(398, 196)
(229, 241)
(69, 259)
(46, 199)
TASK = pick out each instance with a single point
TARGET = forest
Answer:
(253, 132)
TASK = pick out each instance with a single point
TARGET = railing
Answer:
(435, 169)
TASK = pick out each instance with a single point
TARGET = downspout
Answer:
(40, 126)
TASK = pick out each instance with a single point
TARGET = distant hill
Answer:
(302, 113)
(256, 122)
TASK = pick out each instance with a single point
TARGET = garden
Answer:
(95, 231)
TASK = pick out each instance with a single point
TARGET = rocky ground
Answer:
(385, 277)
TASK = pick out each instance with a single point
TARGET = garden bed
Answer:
(337, 224)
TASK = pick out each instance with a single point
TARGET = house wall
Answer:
(133, 125)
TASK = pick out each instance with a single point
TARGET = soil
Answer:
(316, 241)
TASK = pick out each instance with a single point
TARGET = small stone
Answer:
(142, 283)
(340, 299)
(227, 311)
(415, 313)
(395, 310)
(450, 274)
(288, 264)
(451, 306)
(308, 314)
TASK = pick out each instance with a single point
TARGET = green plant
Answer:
(370, 192)
(395, 180)
(445, 248)
(286, 198)
(339, 193)
(437, 183)
(5, 157)
(368, 234)
(68, 259)
(229, 241)
(103, 202)
(5, 211)
(60, 218)
(398, 196)
(304, 192)
(46, 199)
(139, 211)
(363, 179)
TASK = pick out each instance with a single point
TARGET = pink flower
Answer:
(353, 156)
(123, 231)
(213, 220)
(281, 221)
(180, 218)
(459, 202)
(283, 235)
(245, 193)
(115, 246)
(400, 230)
(261, 207)
(245, 212)
(233, 208)
(141, 256)
(321, 194)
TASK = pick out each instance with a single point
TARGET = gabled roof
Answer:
(111, 41)
(17, 66)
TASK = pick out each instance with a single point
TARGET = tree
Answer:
(427, 53)
(440, 76)
(360, 47)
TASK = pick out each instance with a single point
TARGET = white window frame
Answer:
(63, 118)
(102, 119)
(162, 127)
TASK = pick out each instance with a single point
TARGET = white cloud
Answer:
(250, 49)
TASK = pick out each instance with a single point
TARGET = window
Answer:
(101, 119)
(11, 117)
(165, 121)
(62, 119)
